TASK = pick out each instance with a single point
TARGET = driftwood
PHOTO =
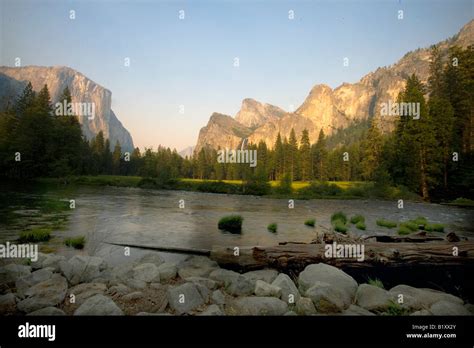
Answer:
(296, 257)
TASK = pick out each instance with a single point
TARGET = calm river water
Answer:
(151, 217)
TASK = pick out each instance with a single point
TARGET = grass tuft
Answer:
(376, 282)
(339, 216)
(231, 223)
(357, 218)
(76, 242)
(386, 223)
(35, 235)
(272, 227)
(339, 226)
(412, 226)
(361, 225)
(420, 221)
(403, 231)
(310, 222)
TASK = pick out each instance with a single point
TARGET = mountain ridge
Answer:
(331, 109)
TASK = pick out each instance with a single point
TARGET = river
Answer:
(153, 217)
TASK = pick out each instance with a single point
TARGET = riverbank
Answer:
(86, 285)
(272, 189)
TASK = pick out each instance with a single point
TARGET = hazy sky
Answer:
(190, 62)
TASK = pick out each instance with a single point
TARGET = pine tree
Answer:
(441, 113)
(65, 96)
(99, 144)
(459, 91)
(262, 169)
(319, 154)
(435, 81)
(305, 156)
(68, 140)
(279, 157)
(202, 164)
(116, 158)
(372, 151)
(442, 116)
(416, 143)
(43, 102)
(293, 160)
(25, 101)
(107, 158)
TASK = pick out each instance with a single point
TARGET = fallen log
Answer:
(296, 257)
(201, 252)
(429, 264)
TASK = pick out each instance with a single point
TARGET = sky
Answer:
(187, 64)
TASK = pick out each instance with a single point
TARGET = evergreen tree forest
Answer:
(432, 156)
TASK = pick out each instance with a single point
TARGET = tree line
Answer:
(432, 155)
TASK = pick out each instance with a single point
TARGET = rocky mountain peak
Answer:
(254, 114)
(221, 131)
(465, 35)
(83, 90)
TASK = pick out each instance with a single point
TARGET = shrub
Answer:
(376, 282)
(361, 225)
(255, 187)
(339, 226)
(386, 223)
(395, 309)
(382, 186)
(231, 223)
(310, 222)
(434, 227)
(357, 218)
(272, 227)
(403, 230)
(76, 242)
(320, 189)
(339, 216)
(218, 187)
(358, 191)
(284, 186)
(35, 235)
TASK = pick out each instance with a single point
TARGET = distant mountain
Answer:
(187, 152)
(326, 108)
(14, 80)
